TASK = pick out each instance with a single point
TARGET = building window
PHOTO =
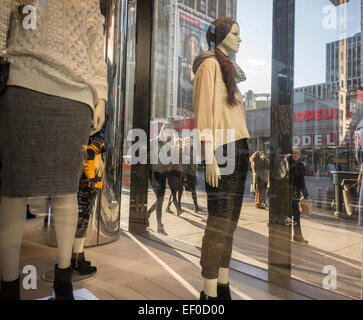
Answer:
(202, 6)
(222, 8)
(212, 8)
(190, 3)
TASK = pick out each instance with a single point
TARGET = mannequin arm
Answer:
(212, 172)
(95, 37)
(98, 116)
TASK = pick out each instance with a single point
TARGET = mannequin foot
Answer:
(82, 266)
(300, 239)
(224, 292)
(203, 296)
(10, 290)
(62, 285)
(161, 230)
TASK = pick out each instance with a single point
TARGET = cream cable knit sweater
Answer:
(64, 55)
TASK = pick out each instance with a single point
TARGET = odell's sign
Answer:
(317, 140)
(319, 114)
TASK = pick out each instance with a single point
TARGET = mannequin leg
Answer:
(78, 245)
(223, 275)
(224, 207)
(79, 262)
(65, 210)
(210, 287)
(223, 290)
(12, 223)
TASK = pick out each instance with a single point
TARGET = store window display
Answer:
(218, 106)
(57, 86)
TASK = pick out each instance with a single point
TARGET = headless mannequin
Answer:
(229, 45)
(65, 208)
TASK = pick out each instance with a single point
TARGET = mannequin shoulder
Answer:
(209, 64)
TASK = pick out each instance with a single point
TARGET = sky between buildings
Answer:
(314, 28)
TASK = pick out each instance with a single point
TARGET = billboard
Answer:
(191, 41)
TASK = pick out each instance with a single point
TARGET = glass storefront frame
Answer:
(279, 246)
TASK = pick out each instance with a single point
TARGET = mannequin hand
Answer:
(212, 174)
(98, 116)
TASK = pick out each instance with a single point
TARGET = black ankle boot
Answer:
(223, 291)
(62, 285)
(82, 266)
(203, 296)
(10, 290)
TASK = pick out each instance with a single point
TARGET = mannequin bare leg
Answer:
(210, 287)
(12, 223)
(65, 210)
(223, 275)
(78, 246)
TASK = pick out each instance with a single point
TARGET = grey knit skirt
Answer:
(42, 141)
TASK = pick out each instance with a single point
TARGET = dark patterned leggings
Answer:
(224, 207)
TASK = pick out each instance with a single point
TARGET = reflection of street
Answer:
(331, 241)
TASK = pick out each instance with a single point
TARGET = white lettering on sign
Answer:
(316, 140)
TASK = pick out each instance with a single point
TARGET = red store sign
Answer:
(319, 114)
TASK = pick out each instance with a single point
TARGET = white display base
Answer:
(81, 294)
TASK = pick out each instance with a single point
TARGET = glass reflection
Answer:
(327, 113)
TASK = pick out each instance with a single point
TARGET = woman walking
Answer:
(298, 188)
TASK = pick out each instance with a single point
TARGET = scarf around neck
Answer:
(240, 75)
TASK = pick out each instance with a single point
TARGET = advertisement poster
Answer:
(192, 41)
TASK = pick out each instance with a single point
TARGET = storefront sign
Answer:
(316, 140)
(319, 114)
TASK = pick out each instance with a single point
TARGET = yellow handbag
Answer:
(306, 206)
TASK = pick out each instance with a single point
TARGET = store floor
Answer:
(134, 268)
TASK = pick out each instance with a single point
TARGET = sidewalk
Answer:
(332, 241)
